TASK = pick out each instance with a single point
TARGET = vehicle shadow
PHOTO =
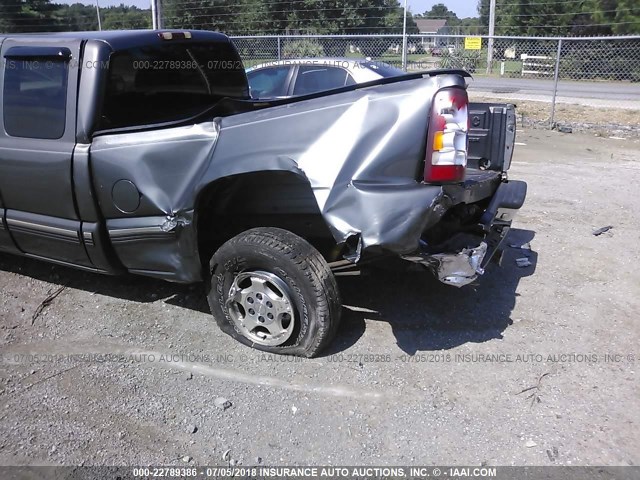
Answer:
(426, 315)
(423, 313)
(127, 287)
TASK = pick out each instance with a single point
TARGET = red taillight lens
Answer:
(446, 153)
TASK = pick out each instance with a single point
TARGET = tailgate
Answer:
(492, 135)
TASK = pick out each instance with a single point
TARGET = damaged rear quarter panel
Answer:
(360, 152)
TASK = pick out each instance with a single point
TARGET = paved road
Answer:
(611, 91)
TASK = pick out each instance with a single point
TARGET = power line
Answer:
(574, 13)
(187, 2)
(566, 26)
(186, 9)
(561, 2)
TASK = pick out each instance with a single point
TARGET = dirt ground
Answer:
(529, 366)
(599, 121)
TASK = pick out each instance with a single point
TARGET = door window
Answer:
(312, 79)
(268, 82)
(35, 97)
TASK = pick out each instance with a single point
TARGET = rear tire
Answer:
(273, 291)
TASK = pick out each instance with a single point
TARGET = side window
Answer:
(35, 97)
(268, 82)
(312, 79)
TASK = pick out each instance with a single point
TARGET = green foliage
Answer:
(245, 17)
(595, 60)
(439, 10)
(589, 17)
(10, 15)
(42, 16)
(302, 49)
(462, 59)
(234, 17)
(125, 18)
(455, 25)
(25, 15)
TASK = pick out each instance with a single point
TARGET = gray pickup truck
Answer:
(142, 152)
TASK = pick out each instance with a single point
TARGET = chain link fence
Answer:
(580, 58)
(596, 72)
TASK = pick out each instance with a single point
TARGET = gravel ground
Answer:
(605, 119)
(408, 381)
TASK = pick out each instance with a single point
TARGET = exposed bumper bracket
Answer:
(457, 269)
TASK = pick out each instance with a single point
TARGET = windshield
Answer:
(155, 84)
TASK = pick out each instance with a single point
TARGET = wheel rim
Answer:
(259, 303)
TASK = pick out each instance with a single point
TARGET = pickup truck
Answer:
(142, 152)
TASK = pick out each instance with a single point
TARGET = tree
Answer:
(25, 16)
(198, 14)
(296, 16)
(76, 17)
(125, 18)
(606, 17)
(17, 16)
(590, 17)
(10, 15)
(441, 11)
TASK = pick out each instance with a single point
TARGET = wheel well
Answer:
(285, 200)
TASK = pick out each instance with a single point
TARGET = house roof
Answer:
(430, 25)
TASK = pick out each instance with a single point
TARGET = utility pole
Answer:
(156, 14)
(492, 29)
(98, 14)
(159, 22)
(154, 17)
(404, 38)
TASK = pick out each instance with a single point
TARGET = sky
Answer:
(463, 8)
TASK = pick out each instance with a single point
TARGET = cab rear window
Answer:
(156, 84)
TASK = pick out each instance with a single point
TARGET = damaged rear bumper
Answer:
(462, 267)
(457, 269)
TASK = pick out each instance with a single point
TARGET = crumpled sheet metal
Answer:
(359, 151)
(457, 269)
(164, 165)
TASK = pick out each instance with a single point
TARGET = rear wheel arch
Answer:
(269, 198)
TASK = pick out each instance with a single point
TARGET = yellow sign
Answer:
(473, 43)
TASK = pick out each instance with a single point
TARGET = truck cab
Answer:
(58, 92)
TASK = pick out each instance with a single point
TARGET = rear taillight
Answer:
(446, 153)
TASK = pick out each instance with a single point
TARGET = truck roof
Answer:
(122, 39)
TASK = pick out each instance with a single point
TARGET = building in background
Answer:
(429, 28)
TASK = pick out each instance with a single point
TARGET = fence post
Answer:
(404, 53)
(159, 14)
(404, 38)
(555, 83)
(490, 56)
(279, 49)
(492, 32)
